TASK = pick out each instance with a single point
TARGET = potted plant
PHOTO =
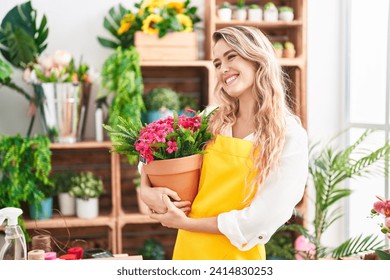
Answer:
(43, 209)
(25, 165)
(152, 250)
(63, 183)
(240, 12)
(329, 168)
(171, 149)
(270, 12)
(225, 12)
(286, 13)
(87, 188)
(159, 103)
(289, 50)
(280, 247)
(255, 13)
(278, 47)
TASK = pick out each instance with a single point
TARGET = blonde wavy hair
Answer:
(270, 108)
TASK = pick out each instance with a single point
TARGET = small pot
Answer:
(240, 14)
(225, 14)
(271, 14)
(67, 204)
(87, 208)
(286, 16)
(255, 14)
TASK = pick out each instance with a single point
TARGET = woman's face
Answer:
(236, 74)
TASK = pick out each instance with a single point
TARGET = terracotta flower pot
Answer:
(180, 175)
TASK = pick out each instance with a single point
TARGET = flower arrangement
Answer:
(382, 208)
(152, 17)
(168, 138)
(57, 67)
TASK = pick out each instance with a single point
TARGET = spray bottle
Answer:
(15, 247)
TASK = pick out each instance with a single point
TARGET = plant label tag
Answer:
(142, 159)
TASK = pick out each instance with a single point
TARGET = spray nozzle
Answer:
(11, 214)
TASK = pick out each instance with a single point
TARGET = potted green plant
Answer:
(87, 188)
(225, 12)
(329, 168)
(25, 165)
(270, 12)
(278, 47)
(43, 209)
(286, 13)
(255, 13)
(160, 102)
(240, 12)
(63, 184)
(280, 247)
(289, 50)
(152, 250)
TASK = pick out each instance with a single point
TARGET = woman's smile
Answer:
(230, 79)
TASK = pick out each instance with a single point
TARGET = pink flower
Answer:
(171, 147)
(382, 206)
(305, 249)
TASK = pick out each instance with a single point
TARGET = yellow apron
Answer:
(226, 165)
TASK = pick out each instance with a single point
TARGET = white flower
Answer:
(62, 58)
(46, 61)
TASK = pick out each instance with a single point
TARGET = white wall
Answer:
(74, 26)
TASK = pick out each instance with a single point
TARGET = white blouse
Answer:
(275, 199)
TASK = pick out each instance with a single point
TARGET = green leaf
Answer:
(382, 255)
(357, 245)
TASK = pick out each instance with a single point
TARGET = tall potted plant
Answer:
(159, 103)
(25, 165)
(329, 168)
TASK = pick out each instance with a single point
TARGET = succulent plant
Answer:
(277, 45)
(159, 98)
(254, 6)
(285, 9)
(289, 45)
(86, 185)
(225, 5)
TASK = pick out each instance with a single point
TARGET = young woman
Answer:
(254, 171)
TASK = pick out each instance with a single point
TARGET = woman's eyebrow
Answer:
(225, 54)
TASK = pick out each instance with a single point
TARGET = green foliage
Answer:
(187, 101)
(285, 9)
(159, 98)
(254, 6)
(289, 45)
(62, 181)
(121, 76)
(22, 39)
(225, 5)
(269, 5)
(152, 250)
(25, 165)
(329, 169)
(280, 246)
(277, 46)
(5, 72)
(356, 245)
(240, 4)
(382, 255)
(112, 23)
(86, 185)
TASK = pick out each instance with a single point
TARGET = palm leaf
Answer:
(382, 255)
(21, 23)
(357, 245)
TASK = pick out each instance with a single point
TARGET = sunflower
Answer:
(185, 21)
(148, 25)
(152, 4)
(126, 23)
(178, 6)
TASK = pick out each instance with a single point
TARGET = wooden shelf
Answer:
(136, 218)
(82, 145)
(63, 222)
(259, 24)
(189, 63)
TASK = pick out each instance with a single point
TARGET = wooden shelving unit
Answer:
(120, 227)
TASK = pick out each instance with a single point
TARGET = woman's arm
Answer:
(175, 218)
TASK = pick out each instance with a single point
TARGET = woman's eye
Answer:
(217, 66)
(230, 57)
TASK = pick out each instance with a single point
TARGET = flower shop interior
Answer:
(125, 59)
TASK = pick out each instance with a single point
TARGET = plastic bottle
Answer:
(15, 247)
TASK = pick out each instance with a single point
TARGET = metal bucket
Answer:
(61, 111)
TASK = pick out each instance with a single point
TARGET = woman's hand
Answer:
(153, 198)
(174, 217)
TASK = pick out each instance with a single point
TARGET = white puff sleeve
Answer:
(275, 200)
